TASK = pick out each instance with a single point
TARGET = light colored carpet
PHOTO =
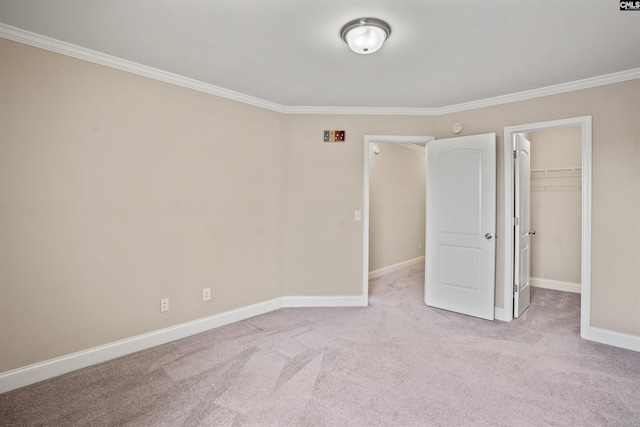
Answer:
(395, 363)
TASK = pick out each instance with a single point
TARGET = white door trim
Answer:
(377, 139)
(585, 124)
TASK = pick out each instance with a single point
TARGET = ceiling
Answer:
(289, 52)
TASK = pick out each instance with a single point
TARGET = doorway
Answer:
(584, 123)
(381, 141)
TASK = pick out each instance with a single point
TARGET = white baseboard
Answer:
(616, 339)
(328, 301)
(498, 314)
(395, 267)
(61, 365)
(31, 374)
(555, 285)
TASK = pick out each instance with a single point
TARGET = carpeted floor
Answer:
(394, 363)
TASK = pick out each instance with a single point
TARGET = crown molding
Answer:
(370, 111)
(53, 45)
(48, 43)
(588, 83)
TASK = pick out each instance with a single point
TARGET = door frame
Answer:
(584, 122)
(368, 140)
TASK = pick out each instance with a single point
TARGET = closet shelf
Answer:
(556, 179)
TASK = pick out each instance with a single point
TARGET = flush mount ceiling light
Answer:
(365, 35)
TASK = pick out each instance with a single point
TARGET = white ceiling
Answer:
(289, 52)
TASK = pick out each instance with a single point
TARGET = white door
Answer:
(522, 223)
(461, 224)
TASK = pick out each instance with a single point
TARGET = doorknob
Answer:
(532, 231)
(488, 236)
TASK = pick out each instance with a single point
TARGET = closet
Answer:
(556, 210)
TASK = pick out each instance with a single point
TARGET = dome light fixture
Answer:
(365, 35)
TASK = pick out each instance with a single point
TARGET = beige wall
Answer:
(397, 205)
(556, 148)
(323, 245)
(556, 206)
(615, 298)
(117, 190)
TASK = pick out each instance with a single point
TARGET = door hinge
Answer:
(515, 154)
(515, 287)
(515, 220)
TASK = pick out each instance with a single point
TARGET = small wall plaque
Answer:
(333, 136)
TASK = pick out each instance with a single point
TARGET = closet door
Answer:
(523, 231)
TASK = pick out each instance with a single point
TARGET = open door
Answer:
(522, 223)
(461, 224)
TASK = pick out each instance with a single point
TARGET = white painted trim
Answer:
(395, 267)
(588, 83)
(326, 301)
(498, 314)
(368, 111)
(368, 140)
(585, 123)
(60, 365)
(41, 371)
(616, 339)
(37, 372)
(555, 285)
(585, 272)
(64, 48)
(53, 45)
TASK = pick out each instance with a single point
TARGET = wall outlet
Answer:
(419, 245)
(164, 304)
(206, 294)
